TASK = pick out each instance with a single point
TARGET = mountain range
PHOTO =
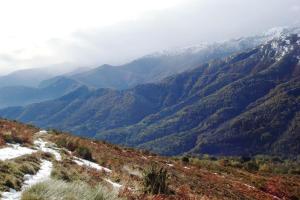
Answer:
(27, 86)
(244, 104)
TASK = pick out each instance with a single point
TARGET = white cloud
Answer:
(295, 8)
(89, 32)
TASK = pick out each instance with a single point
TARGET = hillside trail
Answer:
(13, 151)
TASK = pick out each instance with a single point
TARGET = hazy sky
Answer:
(36, 33)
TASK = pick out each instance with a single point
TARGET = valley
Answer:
(207, 110)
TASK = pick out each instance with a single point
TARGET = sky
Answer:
(79, 33)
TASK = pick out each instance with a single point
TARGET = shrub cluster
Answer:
(260, 163)
(155, 181)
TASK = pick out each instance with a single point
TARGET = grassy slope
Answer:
(14, 132)
(227, 178)
(223, 178)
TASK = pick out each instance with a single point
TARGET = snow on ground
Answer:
(132, 171)
(42, 145)
(83, 162)
(14, 151)
(42, 175)
(43, 132)
(115, 185)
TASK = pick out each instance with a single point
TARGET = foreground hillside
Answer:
(52, 165)
(246, 104)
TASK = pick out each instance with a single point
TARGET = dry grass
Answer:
(188, 179)
(202, 179)
(13, 171)
(56, 189)
(14, 132)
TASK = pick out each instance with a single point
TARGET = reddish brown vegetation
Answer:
(14, 132)
(278, 187)
(186, 181)
(2, 141)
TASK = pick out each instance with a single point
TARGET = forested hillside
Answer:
(245, 104)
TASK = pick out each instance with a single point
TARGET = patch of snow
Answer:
(83, 162)
(274, 45)
(14, 151)
(131, 171)
(189, 50)
(115, 185)
(275, 31)
(275, 197)
(233, 44)
(69, 152)
(279, 32)
(250, 186)
(41, 145)
(43, 132)
(170, 165)
(42, 175)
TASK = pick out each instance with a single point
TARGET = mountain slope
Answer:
(33, 77)
(22, 95)
(27, 78)
(157, 66)
(197, 127)
(40, 164)
(211, 109)
(25, 86)
(28, 86)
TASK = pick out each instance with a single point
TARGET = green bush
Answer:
(251, 166)
(185, 159)
(84, 152)
(265, 168)
(12, 182)
(60, 172)
(155, 181)
(62, 142)
(28, 168)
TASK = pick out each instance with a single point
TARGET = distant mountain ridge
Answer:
(159, 65)
(22, 95)
(26, 86)
(244, 104)
(33, 76)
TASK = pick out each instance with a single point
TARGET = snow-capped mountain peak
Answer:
(233, 45)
